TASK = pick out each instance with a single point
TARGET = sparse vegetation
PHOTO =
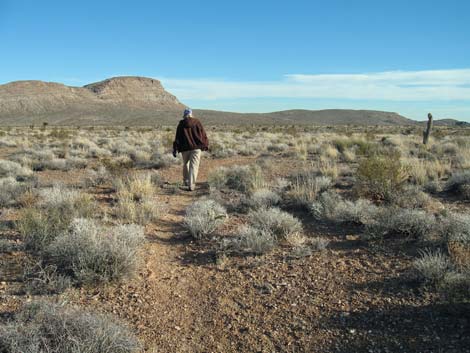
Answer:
(293, 217)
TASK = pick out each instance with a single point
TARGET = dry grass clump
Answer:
(432, 265)
(305, 187)
(203, 217)
(136, 200)
(328, 168)
(56, 328)
(436, 268)
(246, 179)
(422, 171)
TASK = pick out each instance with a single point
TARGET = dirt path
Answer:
(171, 303)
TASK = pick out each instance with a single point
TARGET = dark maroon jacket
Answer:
(190, 135)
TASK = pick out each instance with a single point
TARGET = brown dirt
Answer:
(353, 297)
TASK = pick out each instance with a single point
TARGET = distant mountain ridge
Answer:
(139, 101)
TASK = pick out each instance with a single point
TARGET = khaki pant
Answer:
(191, 161)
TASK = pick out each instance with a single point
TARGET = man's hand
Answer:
(174, 153)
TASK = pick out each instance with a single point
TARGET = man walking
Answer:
(190, 140)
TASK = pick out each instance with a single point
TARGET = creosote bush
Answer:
(56, 328)
(203, 217)
(379, 177)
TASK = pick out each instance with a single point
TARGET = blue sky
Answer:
(405, 56)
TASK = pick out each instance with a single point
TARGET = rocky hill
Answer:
(143, 101)
(112, 101)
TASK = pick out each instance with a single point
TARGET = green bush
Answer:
(380, 177)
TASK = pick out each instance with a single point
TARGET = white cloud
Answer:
(440, 85)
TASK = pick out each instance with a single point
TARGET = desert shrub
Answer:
(276, 222)
(263, 198)
(305, 188)
(278, 147)
(97, 177)
(39, 227)
(432, 265)
(332, 207)
(163, 160)
(39, 278)
(14, 170)
(433, 187)
(203, 217)
(358, 212)
(412, 197)
(325, 205)
(11, 191)
(90, 252)
(57, 208)
(459, 183)
(455, 227)
(254, 240)
(455, 286)
(63, 200)
(380, 177)
(389, 221)
(318, 244)
(45, 327)
(246, 179)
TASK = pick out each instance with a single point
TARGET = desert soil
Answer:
(352, 297)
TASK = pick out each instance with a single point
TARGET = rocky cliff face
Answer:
(36, 98)
(134, 91)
